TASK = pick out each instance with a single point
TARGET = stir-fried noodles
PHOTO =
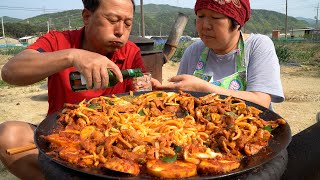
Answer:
(158, 131)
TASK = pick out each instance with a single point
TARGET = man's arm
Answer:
(30, 66)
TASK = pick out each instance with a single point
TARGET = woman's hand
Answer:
(187, 83)
(93, 67)
(156, 85)
(192, 83)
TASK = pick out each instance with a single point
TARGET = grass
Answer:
(301, 53)
(11, 50)
(4, 84)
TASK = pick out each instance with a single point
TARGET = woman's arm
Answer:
(192, 83)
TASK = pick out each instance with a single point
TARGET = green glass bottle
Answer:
(78, 82)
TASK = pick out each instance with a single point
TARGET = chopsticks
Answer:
(21, 149)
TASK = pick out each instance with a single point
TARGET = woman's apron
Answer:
(236, 81)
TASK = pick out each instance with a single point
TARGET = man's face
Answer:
(108, 28)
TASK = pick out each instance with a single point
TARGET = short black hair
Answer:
(234, 24)
(92, 5)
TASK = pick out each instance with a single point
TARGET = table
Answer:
(304, 155)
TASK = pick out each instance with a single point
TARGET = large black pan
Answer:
(280, 141)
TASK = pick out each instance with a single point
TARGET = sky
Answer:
(23, 9)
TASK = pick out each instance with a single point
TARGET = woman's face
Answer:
(215, 31)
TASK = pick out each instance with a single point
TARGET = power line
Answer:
(29, 9)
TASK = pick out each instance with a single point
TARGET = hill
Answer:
(7, 19)
(312, 22)
(159, 19)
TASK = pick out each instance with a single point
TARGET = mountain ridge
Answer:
(159, 20)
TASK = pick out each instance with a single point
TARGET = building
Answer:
(276, 34)
(301, 33)
(8, 42)
(27, 40)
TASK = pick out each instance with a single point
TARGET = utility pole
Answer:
(2, 28)
(48, 24)
(139, 28)
(69, 24)
(286, 23)
(317, 17)
(143, 32)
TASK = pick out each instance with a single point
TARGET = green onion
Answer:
(231, 114)
(268, 128)
(95, 106)
(177, 149)
(169, 159)
(110, 102)
(141, 113)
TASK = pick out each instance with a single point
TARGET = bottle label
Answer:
(131, 72)
(83, 80)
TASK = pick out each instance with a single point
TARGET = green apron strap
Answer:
(201, 65)
(241, 59)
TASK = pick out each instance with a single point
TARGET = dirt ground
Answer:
(300, 83)
(302, 93)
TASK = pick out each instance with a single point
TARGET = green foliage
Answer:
(264, 21)
(4, 84)
(306, 53)
(11, 50)
(10, 19)
(59, 20)
(18, 30)
(301, 52)
(158, 46)
(180, 50)
(283, 52)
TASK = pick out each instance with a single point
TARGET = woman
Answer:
(226, 61)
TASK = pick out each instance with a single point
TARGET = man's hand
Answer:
(93, 67)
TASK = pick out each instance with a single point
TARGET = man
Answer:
(100, 45)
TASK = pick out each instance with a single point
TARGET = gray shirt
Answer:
(263, 69)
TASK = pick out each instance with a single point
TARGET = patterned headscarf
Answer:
(239, 10)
